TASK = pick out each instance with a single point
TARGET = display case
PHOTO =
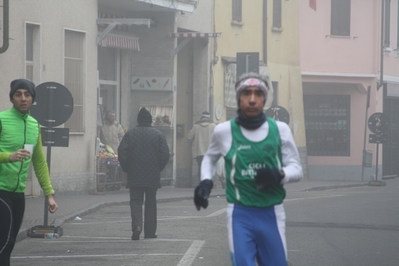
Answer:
(109, 175)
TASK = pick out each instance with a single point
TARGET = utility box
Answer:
(367, 158)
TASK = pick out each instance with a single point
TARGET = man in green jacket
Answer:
(17, 130)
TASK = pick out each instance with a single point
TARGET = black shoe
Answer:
(150, 236)
(136, 233)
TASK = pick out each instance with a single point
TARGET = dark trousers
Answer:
(199, 162)
(150, 209)
(12, 208)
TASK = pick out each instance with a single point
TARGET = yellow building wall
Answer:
(235, 38)
(284, 65)
(282, 47)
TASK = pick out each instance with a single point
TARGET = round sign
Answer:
(53, 104)
(378, 123)
(278, 113)
(218, 111)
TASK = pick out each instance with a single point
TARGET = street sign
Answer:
(53, 104)
(247, 62)
(378, 123)
(278, 113)
(53, 107)
(58, 137)
(374, 138)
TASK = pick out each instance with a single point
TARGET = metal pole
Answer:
(365, 129)
(376, 164)
(6, 30)
(49, 128)
(382, 47)
(246, 63)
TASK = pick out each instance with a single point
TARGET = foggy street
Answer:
(344, 226)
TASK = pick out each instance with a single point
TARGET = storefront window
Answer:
(107, 63)
(327, 121)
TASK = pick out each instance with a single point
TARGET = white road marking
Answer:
(97, 255)
(186, 260)
(191, 253)
(217, 213)
(321, 197)
(110, 222)
(121, 238)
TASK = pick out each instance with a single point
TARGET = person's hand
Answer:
(52, 205)
(201, 194)
(19, 155)
(267, 177)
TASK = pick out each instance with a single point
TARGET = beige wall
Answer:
(71, 168)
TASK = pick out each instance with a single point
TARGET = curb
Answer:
(333, 187)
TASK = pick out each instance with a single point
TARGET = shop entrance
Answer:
(390, 155)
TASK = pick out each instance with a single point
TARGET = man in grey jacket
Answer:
(200, 137)
(143, 154)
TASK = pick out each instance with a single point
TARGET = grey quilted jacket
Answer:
(143, 153)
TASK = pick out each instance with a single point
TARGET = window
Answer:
(387, 22)
(277, 14)
(74, 77)
(340, 17)
(327, 125)
(32, 53)
(237, 10)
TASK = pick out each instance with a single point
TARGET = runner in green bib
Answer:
(260, 156)
(243, 160)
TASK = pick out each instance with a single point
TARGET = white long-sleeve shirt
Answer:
(222, 140)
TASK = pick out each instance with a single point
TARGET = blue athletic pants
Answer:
(257, 235)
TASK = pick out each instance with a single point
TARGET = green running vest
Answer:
(242, 161)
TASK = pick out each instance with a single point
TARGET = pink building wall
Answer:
(321, 52)
(334, 65)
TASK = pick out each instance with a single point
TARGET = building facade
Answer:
(54, 42)
(270, 29)
(342, 44)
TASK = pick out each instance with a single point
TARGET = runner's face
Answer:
(22, 100)
(252, 100)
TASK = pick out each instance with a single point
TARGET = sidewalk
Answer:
(71, 206)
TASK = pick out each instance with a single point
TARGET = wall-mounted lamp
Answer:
(387, 50)
(215, 60)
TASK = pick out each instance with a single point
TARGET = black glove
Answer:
(201, 193)
(267, 177)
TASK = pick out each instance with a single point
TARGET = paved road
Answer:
(336, 227)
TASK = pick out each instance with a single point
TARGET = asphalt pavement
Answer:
(71, 206)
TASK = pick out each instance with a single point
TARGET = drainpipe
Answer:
(265, 31)
(381, 83)
(6, 27)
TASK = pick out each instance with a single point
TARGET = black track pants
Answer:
(150, 209)
(12, 208)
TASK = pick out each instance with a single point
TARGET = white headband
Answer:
(251, 82)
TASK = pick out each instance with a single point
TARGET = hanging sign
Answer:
(378, 123)
(278, 113)
(151, 83)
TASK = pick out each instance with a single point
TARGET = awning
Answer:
(184, 6)
(188, 36)
(195, 35)
(120, 40)
(116, 31)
